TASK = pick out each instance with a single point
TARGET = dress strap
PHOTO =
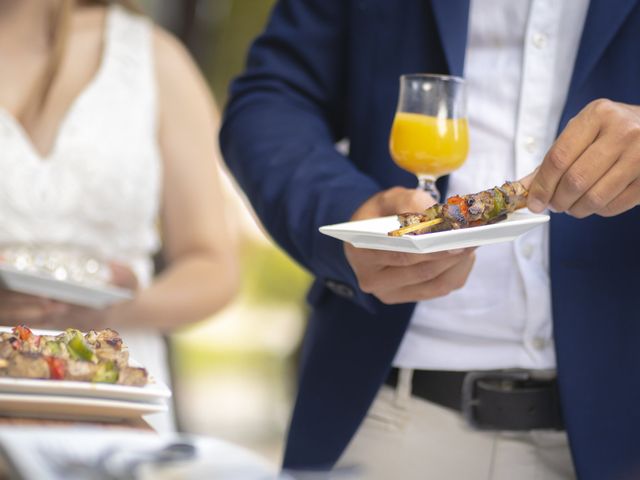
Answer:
(129, 56)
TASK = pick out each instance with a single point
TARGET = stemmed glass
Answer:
(430, 135)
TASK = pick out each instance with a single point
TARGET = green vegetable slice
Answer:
(107, 373)
(79, 348)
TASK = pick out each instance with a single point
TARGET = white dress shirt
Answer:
(518, 66)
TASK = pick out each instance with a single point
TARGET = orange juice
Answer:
(427, 145)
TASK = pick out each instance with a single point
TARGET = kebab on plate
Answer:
(97, 356)
(483, 208)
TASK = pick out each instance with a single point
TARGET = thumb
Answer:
(527, 180)
(123, 276)
(402, 200)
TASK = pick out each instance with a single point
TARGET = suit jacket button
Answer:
(340, 289)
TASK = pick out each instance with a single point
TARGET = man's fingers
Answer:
(579, 133)
(623, 202)
(394, 278)
(451, 279)
(584, 174)
(384, 259)
(608, 188)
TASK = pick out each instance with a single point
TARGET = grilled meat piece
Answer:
(136, 376)
(28, 365)
(108, 337)
(80, 370)
(119, 357)
(6, 349)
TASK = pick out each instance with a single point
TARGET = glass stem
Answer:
(428, 184)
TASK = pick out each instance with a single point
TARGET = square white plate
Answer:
(372, 234)
(74, 408)
(154, 391)
(65, 291)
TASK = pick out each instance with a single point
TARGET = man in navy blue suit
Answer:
(510, 360)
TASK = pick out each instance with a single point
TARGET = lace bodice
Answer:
(99, 188)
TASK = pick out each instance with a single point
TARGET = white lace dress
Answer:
(99, 188)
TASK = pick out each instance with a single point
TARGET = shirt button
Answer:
(527, 251)
(529, 144)
(539, 40)
(539, 343)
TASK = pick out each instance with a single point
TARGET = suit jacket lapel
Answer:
(604, 18)
(452, 17)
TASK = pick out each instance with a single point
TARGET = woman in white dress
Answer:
(107, 144)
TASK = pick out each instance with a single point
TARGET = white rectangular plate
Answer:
(64, 291)
(154, 391)
(372, 234)
(74, 408)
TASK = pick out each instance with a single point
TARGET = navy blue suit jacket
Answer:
(328, 69)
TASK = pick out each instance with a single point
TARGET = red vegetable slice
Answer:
(57, 368)
(22, 332)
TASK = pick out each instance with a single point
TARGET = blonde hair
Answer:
(60, 28)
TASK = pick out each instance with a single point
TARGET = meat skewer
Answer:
(97, 356)
(483, 208)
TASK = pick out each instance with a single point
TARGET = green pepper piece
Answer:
(68, 334)
(53, 348)
(79, 349)
(500, 202)
(498, 205)
(107, 373)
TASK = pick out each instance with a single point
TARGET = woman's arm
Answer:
(202, 273)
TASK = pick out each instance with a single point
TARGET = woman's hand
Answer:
(33, 311)
(122, 276)
(67, 315)
(406, 277)
(18, 308)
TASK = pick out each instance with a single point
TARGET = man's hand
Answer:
(594, 165)
(405, 277)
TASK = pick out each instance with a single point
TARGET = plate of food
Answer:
(491, 216)
(72, 364)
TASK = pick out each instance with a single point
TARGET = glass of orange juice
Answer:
(429, 136)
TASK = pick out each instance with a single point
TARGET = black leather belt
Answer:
(491, 400)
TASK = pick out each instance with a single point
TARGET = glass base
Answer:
(428, 184)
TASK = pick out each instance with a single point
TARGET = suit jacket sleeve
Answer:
(278, 136)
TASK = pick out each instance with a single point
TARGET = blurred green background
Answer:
(234, 373)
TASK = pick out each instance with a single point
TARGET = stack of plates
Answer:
(69, 400)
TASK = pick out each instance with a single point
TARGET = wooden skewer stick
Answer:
(412, 228)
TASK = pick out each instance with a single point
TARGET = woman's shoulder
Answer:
(171, 56)
(176, 70)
